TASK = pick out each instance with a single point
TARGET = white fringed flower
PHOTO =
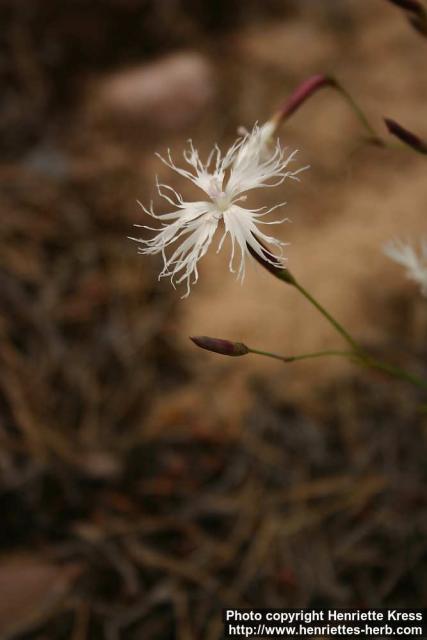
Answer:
(224, 179)
(414, 262)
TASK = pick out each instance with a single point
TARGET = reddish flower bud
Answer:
(271, 263)
(308, 88)
(405, 136)
(217, 345)
(302, 93)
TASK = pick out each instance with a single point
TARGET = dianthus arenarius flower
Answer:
(250, 163)
(415, 262)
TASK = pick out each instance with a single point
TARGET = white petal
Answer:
(183, 262)
(415, 263)
(255, 165)
(249, 163)
(241, 225)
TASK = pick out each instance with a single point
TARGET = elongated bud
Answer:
(405, 136)
(302, 93)
(218, 345)
(417, 14)
(271, 264)
(308, 88)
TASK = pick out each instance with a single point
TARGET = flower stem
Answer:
(304, 356)
(396, 372)
(309, 87)
(357, 353)
(347, 337)
(360, 358)
(359, 113)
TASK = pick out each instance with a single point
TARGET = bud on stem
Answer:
(218, 345)
(405, 136)
(271, 264)
(307, 88)
(301, 94)
(228, 348)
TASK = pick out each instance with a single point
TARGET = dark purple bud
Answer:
(217, 345)
(405, 136)
(271, 263)
(302, 93)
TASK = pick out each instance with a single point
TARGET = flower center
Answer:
(222, 202)
(217, 195)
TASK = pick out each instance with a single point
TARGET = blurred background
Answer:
(144, 484)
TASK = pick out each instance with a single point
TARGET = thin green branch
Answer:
(304, 356)
(360, 114)
(358, 353)
(347, 337)
(396, 372)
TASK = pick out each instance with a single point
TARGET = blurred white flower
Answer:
(247, 165)
(260, 139)
(415, 262)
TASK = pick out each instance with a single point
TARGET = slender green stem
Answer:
(328, 316)
(358, 357)
(359, 113)
(414, 143)
(304, 356)
(396, 372)
(357, 353)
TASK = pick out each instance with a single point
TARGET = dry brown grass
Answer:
(145, 485)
